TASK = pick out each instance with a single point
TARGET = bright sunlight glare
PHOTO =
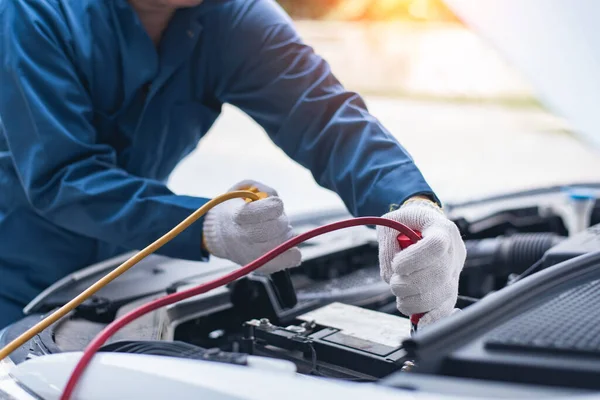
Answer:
(417, 10)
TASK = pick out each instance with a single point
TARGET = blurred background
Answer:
(415, 48)
(468, 117)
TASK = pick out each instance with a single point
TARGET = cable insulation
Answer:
(532, 269)
(113, 327)
(102, 282)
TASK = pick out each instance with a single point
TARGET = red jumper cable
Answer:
(407, 236)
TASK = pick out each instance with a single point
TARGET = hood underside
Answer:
(555, 44)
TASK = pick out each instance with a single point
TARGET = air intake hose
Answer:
(506, 255)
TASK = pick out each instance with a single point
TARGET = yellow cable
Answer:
(71, 305)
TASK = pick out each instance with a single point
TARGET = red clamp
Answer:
(404, 242)
(415, 318)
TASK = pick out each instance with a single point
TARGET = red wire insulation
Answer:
(117, 324)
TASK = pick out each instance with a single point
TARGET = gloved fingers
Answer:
(421, 296)
(434, 275)
(259, 211)
(290, 259)
(248, 183)
(407, 309)
(388, 247)
(425, 301)
(446, 309)
(401, 289)
(225, 207)
(431, 250)
(436, 243)
(385, 271)
(272, 232)
(387, 237)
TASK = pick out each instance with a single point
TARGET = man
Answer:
(100, 99)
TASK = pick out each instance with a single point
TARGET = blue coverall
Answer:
(95, 118)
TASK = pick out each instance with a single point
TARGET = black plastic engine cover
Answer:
(582, 243)
(569, 324)
(543, 330)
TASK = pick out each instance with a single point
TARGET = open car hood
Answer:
(555, 44)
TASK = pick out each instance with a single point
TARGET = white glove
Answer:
(241, 232)
(423, 277)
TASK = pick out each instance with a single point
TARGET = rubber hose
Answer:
(509, 254)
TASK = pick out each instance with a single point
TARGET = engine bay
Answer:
(528, 272)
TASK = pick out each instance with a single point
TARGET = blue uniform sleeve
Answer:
(69, 177)
(270, 74)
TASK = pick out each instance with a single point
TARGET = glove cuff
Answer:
(422, 202)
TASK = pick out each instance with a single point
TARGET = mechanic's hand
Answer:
(241, 232)
(424, 276)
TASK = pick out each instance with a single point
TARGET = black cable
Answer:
(467, 300)
(528, 271)
(315, 369)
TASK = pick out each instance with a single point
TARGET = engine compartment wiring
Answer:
(119, 323)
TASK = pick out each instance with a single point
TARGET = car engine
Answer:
(529, 325)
